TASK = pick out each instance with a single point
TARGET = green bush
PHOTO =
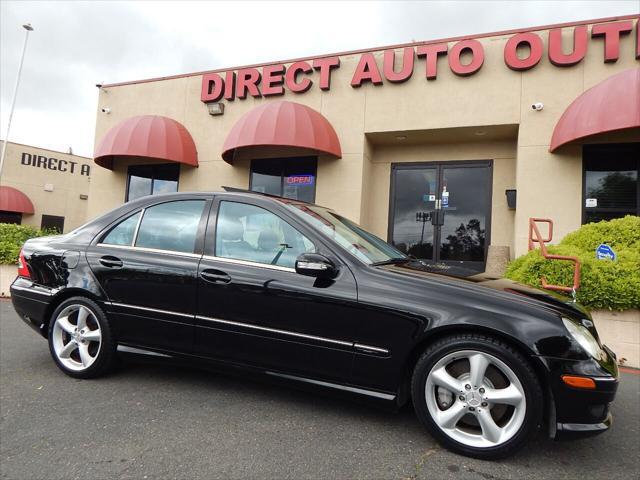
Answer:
(604, 284)
(12, 237)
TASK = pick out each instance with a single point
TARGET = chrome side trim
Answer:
(32, 289)
(155, 310)
(141, 351)
(346, 388)
(248, 263)
(276, 330)
(257, 327)
(151, 250)
(369, 348)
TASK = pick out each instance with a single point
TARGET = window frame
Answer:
(154, 167)
(587, 153)
(285, 162)
(212, 232)
(200, 233)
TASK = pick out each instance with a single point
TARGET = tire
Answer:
(80, 339)
(486, 415)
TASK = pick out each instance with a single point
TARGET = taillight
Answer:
(23, 270)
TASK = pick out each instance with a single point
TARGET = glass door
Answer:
(441, 212)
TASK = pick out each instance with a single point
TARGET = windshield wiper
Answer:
(391, 261)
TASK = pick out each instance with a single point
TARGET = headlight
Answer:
(584, 338)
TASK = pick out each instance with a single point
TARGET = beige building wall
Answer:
(486, 115)
(53, 181)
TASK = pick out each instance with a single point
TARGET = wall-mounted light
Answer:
(401, 138)
(48, 187)
(84, 196)
(216, 108)
(105, 110)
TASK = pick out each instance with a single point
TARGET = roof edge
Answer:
(383, 47)
(47, 149)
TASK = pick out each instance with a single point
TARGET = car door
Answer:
(253, 307)
(147, 264)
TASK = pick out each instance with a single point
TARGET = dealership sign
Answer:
(52, 163)
(464, 57)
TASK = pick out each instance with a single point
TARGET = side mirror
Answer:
(315, 265)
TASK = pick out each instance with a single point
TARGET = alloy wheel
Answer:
(475, 398)
(77, 337)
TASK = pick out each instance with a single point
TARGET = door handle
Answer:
(110, 261)
(215, 276)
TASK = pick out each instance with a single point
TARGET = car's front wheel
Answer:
(80, 338)
(477, 395)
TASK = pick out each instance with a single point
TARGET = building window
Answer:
(293, 178)
(611, 187)
(151, 179)
(52, 222)
(10, 217)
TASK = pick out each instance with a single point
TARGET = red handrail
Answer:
(535, 237)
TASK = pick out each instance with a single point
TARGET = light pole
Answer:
(28, 28)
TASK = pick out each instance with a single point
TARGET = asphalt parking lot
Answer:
(159, 421)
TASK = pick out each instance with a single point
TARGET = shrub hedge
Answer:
(613, 285)
(12, 237)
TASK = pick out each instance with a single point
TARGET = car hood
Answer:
(508, 290)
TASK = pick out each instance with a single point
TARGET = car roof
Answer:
(227, 192)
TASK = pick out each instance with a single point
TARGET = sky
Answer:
(77, 44)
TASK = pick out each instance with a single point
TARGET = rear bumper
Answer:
(31, 303)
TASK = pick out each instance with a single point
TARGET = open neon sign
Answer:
(301, 180)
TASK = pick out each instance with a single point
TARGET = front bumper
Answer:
(572, 430)
(577, 412)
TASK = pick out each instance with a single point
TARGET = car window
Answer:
(250, 233)
(363, 245)
(171, 226)
(122, 233)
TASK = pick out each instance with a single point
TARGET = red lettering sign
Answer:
(611, 33)
(477, 57)
(325, 65)
(273, 78)
(556, 53)
(212, 87)
(407, 65)
(511, 58)
(230, 86)
(430, 53)
(366, 71)
(248, 80)
(291, 77)
(302, 75)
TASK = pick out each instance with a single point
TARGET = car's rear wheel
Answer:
(477, 395)
(80, 338)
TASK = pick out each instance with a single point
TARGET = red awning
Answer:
(282, 124)
(613, 104)
(150, 136)
(12, 200)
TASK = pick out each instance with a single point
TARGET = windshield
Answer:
(365, 246)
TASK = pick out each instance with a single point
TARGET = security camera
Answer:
(106, 110)
(537, 106)
(99, 85)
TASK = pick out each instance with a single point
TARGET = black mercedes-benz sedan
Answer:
(299, 293)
